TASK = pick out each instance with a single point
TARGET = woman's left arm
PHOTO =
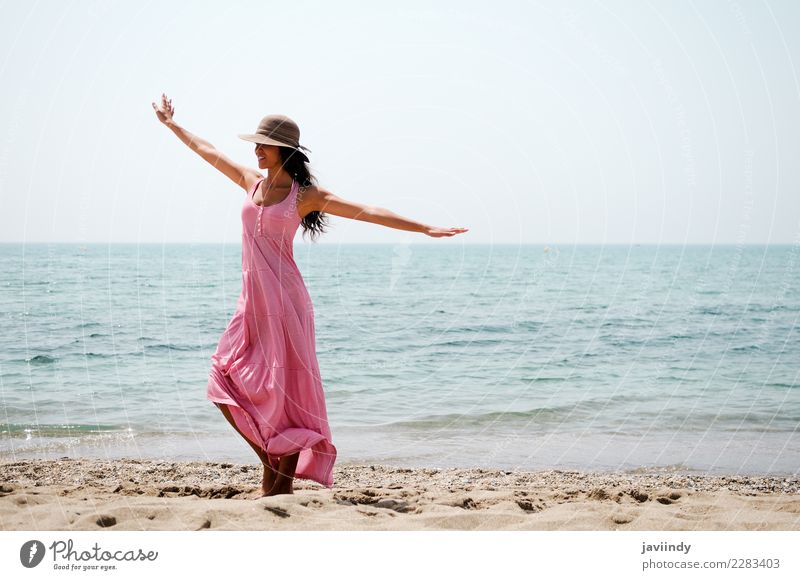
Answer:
(324, 201)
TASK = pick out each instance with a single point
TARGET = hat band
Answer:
(277, 137)
(287, 141)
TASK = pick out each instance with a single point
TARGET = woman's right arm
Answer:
(242, 176)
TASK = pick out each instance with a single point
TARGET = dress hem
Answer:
(298, 475)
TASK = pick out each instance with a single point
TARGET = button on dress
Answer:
(265, 365)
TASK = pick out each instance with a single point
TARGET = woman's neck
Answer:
(278, 180)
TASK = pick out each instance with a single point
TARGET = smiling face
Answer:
(268, 156)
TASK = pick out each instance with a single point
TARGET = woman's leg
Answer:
(286, 468)
(268, 478)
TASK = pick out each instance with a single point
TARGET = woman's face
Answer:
(268, 156)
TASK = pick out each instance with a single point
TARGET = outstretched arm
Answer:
(324, 201)
(242, 176)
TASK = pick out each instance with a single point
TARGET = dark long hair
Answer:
(315, 222)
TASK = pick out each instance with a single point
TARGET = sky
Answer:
(527, 122)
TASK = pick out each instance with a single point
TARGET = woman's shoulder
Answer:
(251, 177)
(312, 191)
(311, 197)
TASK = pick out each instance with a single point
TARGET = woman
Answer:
(264, 375)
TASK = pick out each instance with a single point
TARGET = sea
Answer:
(632, 358)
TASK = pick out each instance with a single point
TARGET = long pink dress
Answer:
(265, 365)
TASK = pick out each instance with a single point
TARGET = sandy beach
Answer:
(89, 494)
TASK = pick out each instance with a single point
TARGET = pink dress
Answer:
(265, 365)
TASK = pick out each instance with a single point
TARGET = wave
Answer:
(44, 359)
(570, 413)
(768, 309)
(528, 325)
(467, 342)
(783, 385)
(482, 328)
(41, 359)
(746, 347)
(589, 417)
(162, 347)
(465, 420)
(56, 430)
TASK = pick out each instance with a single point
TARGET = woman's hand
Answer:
(441, 232)
(165, 111)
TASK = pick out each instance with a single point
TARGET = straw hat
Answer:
(277, 130)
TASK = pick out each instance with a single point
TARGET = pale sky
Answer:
(527, 122)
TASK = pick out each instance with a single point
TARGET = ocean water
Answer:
(674, 358)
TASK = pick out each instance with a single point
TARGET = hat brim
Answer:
(256, 138)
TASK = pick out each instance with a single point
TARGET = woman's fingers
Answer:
(166, 105)
(164, 112)
(448, 232)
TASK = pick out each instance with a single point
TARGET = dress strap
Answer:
(291, 198)
(255, 188)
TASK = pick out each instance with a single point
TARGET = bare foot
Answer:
(286, 489)
(267, 483)
(284, 474)
(267, 480)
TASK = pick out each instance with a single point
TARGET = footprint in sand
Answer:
(466, 503)
(670, 498)
(599, 494)
(529, 506)
(393, 504)
(638, 495)
(106, 521)
(622, 518)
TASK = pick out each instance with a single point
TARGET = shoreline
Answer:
(132, 494)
